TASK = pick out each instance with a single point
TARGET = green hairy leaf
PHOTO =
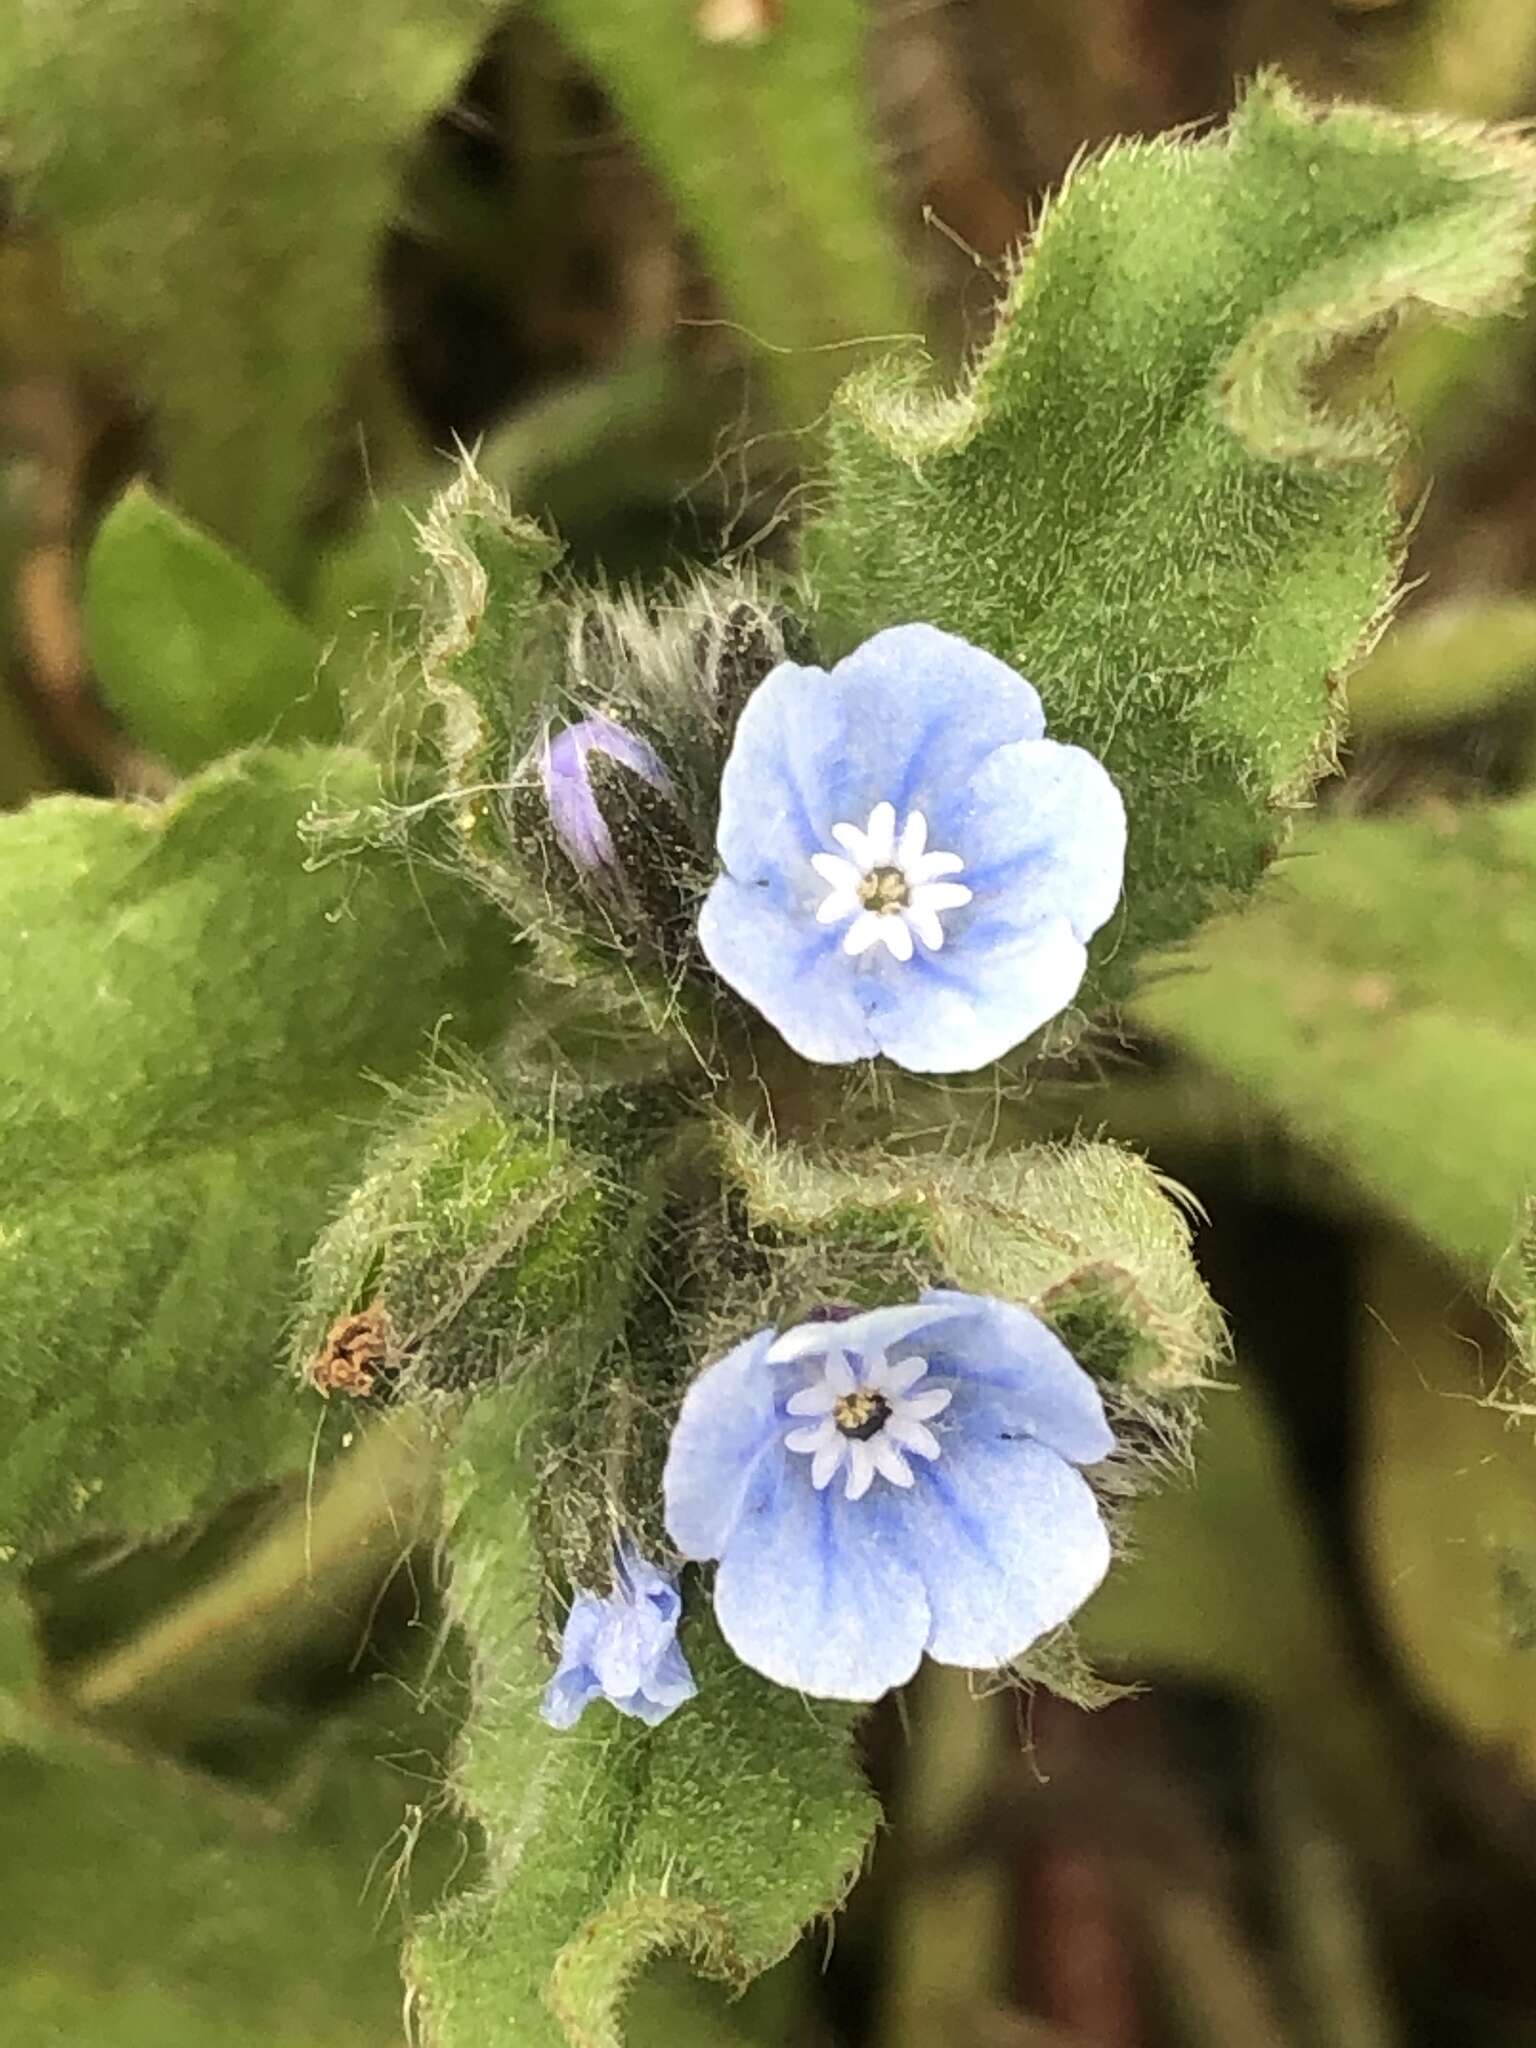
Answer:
(489, 652)
(229, 238)
(1376, 998)
(199, 1029)
(1139, 499)
(1087, 1234)
(767, 149)
(718, 1834)
(191, 649)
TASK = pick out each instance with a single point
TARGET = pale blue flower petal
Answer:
(917, 722)
(788, 967)
(575, 1684)
(897, 1330)
(1009, 1543)
(805, 1597)
(970, 1531)
(728, 1419)
(906, 718)
(966, 1007)
(1043, 837)
(1036, 1383)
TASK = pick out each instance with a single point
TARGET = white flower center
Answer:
(870, 1425)
(888, 885)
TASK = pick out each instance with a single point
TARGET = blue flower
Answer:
(902, 1481)
(622, 1648)
(579, 823)
(910, 866)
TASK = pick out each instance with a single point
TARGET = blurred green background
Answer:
(263, 268)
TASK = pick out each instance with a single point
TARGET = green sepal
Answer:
(1516, 1276)
(1138, 499)
(489, 1242)
(490, 657)
(475, 1232)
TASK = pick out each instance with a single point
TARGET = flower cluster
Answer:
(909, 867)
(899, 1481)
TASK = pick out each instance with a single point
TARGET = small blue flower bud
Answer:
(574, 810)
(622, 1647)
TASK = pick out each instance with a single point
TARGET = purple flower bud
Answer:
(579, 824)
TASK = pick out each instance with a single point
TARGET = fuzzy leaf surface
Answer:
(719, 1834)
(1086, 1234)
(192, 650)
(1138, 500)
(1376, 999)
(198, 236)
(197, 1031)
(488, 655)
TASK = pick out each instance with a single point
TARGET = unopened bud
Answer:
(574, 811)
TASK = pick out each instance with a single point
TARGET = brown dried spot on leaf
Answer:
(354, 1359)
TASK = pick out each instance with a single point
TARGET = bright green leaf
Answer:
(719, 1834)
(1377, 999)
(196, 1029)
(191, 649)
(1138, 498)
